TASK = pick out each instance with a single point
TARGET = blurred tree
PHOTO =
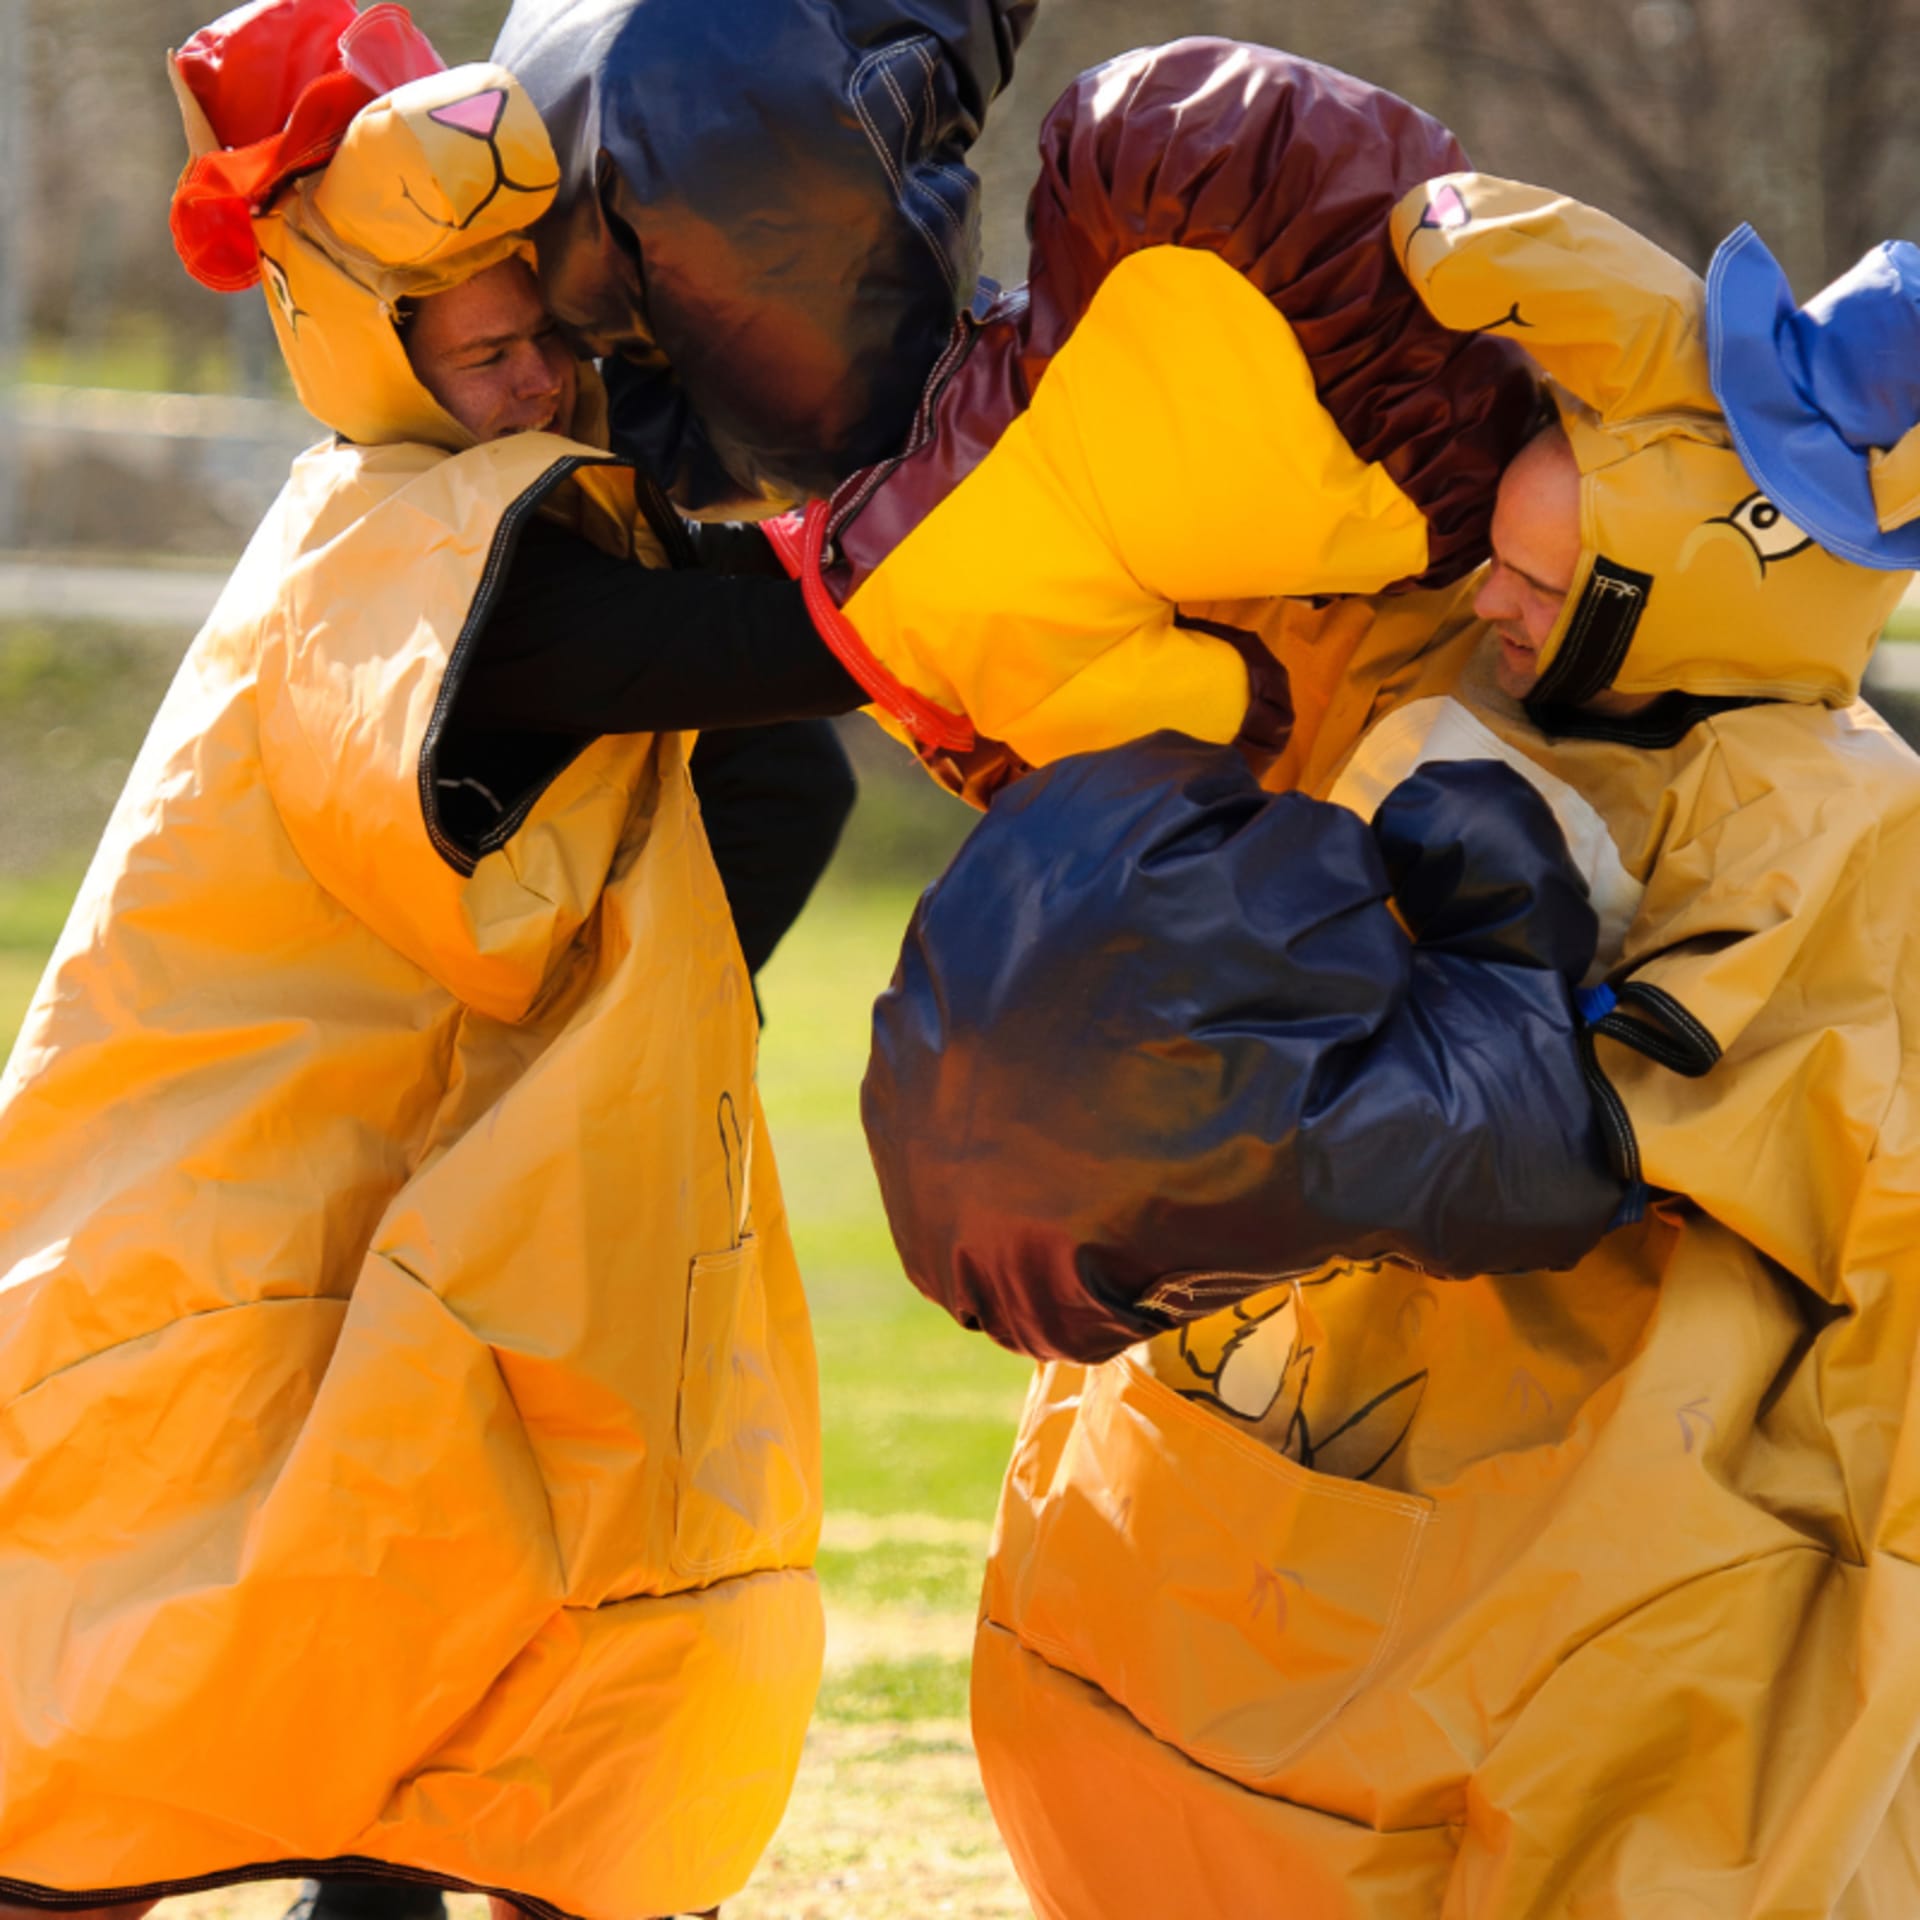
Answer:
(1682, 116)
(1688, 116)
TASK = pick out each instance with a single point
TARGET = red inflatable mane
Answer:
(277, 82)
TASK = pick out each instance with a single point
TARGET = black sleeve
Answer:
(732, 546)
(578, 642)
(774, 800)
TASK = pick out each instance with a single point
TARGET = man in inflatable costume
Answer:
(1466, 1200)
(409, 1450)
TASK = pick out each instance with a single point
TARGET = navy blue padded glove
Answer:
(1157, 1041)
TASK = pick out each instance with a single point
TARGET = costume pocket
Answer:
(1230, 1600)
(742, 1485)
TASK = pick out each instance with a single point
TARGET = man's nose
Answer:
(535, 375)
(1493, 601)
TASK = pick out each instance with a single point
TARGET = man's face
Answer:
(488, 351)
(1536, 551)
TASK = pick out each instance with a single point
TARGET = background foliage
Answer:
(1683, 116)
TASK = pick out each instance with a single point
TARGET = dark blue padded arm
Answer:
(765, 219)
(1157, 1039)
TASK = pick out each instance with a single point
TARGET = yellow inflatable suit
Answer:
(408, 1439)
(1539, 1595)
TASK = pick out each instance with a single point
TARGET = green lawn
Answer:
(19, 972)
(918, 1415)
(30, 915)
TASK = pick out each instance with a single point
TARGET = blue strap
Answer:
(1632, 1207)
(1595, 1003)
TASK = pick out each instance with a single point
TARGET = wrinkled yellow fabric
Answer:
(408, 1436)
(1894, 475)
(1623, 1618)
(1179, 367)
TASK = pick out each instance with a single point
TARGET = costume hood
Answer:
(767, 224)
(422, 187)
(1824, 400)
(1691, 576)
(490, 1471)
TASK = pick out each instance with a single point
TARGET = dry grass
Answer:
(887, 1821)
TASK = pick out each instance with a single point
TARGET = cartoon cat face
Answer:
(432, 183)
(1690, 577)
(438, 168)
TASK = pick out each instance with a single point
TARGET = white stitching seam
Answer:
(906, 128)
(879, 57)
(926, 82)
(856, 93)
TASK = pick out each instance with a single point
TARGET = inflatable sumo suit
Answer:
(408, 1437)
(765, 219)
(1388, 1533)
(1216, 384)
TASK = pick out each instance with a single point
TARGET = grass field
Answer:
(888, 1818)
(30, 916)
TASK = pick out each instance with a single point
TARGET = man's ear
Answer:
(1617, 321)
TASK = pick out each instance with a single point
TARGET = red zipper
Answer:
(926, 719)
